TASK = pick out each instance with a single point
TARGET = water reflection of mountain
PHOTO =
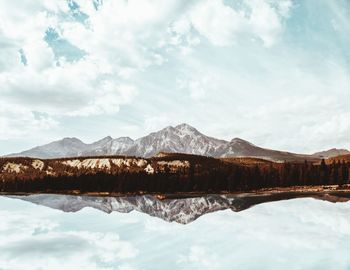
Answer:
(182, 210)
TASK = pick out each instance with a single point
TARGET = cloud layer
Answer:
(252, 69)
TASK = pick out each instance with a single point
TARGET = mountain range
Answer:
(182, 138)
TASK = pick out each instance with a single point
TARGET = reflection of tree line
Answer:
(202, 175)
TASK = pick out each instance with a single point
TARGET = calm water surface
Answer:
(294, 234)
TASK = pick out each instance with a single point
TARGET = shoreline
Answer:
(297, 191)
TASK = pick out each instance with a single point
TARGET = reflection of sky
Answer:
(297, 234)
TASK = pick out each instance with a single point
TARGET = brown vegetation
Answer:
(173, 173)
(342, 158)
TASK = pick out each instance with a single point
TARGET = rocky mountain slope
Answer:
(179, 139)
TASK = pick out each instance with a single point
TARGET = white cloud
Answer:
(68, 89)
(108, 98)
(9, 56)
(24, 28)
(265, 21)
(156, 122)
(16, 122)
(224, 25)
(91, 86)
(199, 85)
(216, 21)
(126, 34)
(39, 55)
(220, 65)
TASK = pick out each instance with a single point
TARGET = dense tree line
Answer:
(202, 175)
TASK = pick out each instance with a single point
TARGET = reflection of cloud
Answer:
(294, 234)
(125, 267)
(201, 258)
(31, 242)
(164, 227)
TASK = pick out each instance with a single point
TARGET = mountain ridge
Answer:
(182, 138)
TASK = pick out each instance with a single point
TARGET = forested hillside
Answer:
(172, 173)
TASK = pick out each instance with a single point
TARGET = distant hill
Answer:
(331, 153)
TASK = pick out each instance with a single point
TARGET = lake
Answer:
(293, 234)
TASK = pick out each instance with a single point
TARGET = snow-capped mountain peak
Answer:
(187, 129)
(181, 139)
(103, 141)
(126, 140)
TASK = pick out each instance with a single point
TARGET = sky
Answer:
(310, 235)
(273, 72)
